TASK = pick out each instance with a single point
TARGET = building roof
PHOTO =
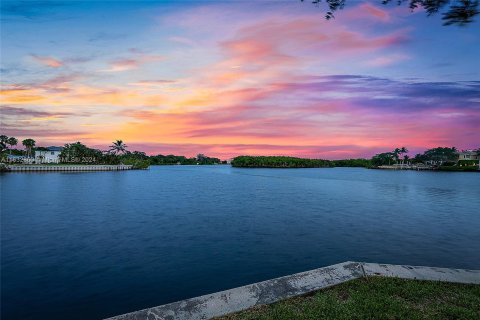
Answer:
(469, 151)
(52, 148)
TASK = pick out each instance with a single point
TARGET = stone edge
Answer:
(422, 273)
(266, 292)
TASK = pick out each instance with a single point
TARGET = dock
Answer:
(406, 167)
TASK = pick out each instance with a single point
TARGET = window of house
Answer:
(52, 153)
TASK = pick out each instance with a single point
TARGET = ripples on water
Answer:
(91, 245)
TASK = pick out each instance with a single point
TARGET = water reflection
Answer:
(106, 243)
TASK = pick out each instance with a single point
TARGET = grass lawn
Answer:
(376, 298)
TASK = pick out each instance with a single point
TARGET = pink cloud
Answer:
(367, 11)
(276, 41)
(48, 61)
(132, 63)
(387, 60)
(375, 11)
(275, 47)
(151, 83)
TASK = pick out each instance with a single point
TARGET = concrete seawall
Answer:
(36, 168)
(270, 291)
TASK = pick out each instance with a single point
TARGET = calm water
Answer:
(92, 245)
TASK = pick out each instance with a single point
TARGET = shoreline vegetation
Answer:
(295, 162)
(440, 158)
(279, 162)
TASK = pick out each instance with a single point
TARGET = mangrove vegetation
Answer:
(279, 162)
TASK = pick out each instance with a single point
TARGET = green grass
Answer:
(376, 298)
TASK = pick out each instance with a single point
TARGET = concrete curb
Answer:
(266, 292)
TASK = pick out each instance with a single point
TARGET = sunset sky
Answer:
(226, 78)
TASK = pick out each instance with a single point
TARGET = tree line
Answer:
(436, 156)
(279, 162)
(293, 162)
(118, 153)
(443, 157)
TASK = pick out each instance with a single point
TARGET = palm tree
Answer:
(12, 142)
(395, 153)
(3, 142)
(118, 147)
(402, 151)
(29, 144)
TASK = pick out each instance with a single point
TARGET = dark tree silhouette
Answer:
(457, 12)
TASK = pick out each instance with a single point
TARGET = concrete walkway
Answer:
(241, 298)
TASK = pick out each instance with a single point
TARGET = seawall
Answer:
(32, 168)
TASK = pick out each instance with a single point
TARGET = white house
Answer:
(469, 155)
(48, 155)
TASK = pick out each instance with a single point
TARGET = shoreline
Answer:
(92, 167)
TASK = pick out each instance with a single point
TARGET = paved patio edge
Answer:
(422, 273)
(241, 298)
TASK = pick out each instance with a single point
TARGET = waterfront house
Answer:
(48, 155)
(469, 155)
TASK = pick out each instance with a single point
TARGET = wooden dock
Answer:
(65, 168)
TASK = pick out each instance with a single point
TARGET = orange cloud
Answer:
(78, 95)
(151, 83)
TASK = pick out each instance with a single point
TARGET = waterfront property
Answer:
(48, 154)
(469, 155)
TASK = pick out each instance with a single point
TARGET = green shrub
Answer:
(463, 163)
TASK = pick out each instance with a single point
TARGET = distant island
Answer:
(279, 162)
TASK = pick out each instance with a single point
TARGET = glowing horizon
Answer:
(257, 78)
